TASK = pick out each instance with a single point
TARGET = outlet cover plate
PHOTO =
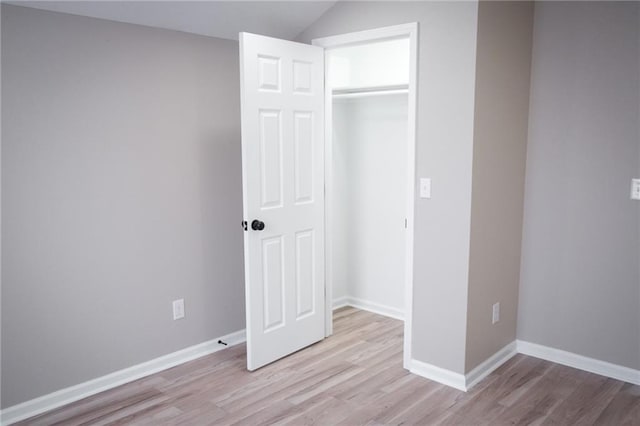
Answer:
(178, 309)
(495, 313)
(635, 189)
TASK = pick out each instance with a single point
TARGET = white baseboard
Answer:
(74, 393)
(366, 305)
(473, 377)
(437, 374)
(455, 380)
(558, 356)
(580, 362)
(463, 382)
(340, 302)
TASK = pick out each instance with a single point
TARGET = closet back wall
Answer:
(121, 191)
(369, 166)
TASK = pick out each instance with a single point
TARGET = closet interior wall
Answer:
(369, 154)
(369, 180)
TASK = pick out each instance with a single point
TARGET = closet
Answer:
(367, 202)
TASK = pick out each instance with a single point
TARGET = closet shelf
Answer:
(360, 92)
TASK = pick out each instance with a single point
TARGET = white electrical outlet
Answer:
(635, 189)
(496, 313)
(178, 309)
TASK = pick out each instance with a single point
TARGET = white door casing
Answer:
(409, 30)
(282, 102)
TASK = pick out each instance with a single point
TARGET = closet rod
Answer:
(371, 91)
(369, 94)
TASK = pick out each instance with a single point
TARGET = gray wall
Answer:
(121, 191)
(580, 284)
(446, 82)
(499, 156)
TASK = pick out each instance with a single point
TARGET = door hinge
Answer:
(244, 225)
(405, 223)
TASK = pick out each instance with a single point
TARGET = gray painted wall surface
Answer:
(499, 156)
(121, 191)
(446, 81)
(580, 284)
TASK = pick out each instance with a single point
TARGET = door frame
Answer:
(409, 30)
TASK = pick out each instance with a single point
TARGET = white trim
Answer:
(437, 374)
(328, 202)
(581, 362)
(558, 356)
(367, 305)
(340, 302)
(411, 190)
(77, 392)
(464, 382)
(358, 37)
(405, 30)
(488, 366)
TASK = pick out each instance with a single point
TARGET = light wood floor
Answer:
(354, 377)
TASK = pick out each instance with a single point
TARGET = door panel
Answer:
(270, 158)
(282, 87)
(273, 283)
(305, 280)
(304, 169)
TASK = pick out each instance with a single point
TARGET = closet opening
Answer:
(369, 172)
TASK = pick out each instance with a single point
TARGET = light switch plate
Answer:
(635, 189)
(425, 188)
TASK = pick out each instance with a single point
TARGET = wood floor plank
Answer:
(624, 408)
(270, 414)
(331, 411)
(364, 384)
(544, 394)
(585, 404)
(384, 402)
(323, 386)
(438, 404)
(354, 377)
(162, 416)
(398, 412)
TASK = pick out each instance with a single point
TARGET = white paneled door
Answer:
(282, 85)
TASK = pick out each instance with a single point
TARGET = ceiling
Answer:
(224, 19)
